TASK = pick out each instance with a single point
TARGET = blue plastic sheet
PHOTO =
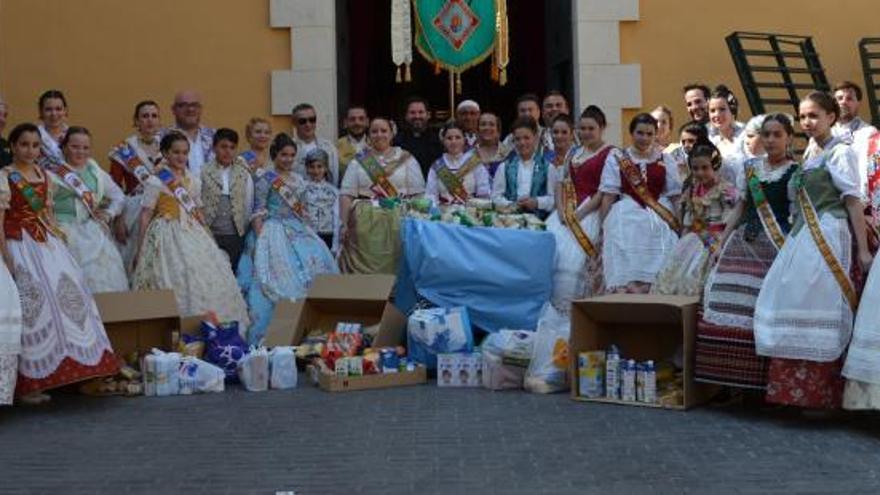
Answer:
(502, 276)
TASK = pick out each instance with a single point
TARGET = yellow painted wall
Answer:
(680, 41)
(106, 55)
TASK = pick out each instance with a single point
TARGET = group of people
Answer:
(778, 248)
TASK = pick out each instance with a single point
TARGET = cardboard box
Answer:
(339, 298)
(643, 327)
(138, 321)
(463, 369)
(330, 382)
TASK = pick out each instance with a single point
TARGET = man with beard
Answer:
(355, 139)
(696, 98)
(849, 126)
(415, 136)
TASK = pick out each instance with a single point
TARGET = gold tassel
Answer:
(502, 77)
(458, 83)
(436, 68)
(502, 46)
(397, 77)
(493, 69)
(408, 76)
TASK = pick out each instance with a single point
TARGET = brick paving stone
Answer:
(425, 440)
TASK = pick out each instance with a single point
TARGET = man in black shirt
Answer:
(415, 137)
(5, 152)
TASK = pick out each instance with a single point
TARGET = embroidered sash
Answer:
(286, 192)
(250, 157)
(73, 181)
(569, 201)
(765, 212)
(700, 228)
(812, 221)
(634, 176)
(180, 193)
(35, 202)
(379, 175)
(127, 155)
(454, 181)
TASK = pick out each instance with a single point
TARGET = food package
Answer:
(160, 373)
(253, 370)
(438, 330)
(197, 376)
(515, 347)
(191, 345)
(500, 376)
(282, 368)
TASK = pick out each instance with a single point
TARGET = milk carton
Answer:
(628, 381)
(446, 370)
(649, 383)
(612, 373)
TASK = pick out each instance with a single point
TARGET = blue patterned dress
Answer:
(281, 262)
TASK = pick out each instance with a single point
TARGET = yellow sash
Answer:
(634, 177)
(569, 202)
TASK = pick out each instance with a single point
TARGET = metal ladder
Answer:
(869, 50)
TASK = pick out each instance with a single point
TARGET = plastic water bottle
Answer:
(612, 373)
(650, 383)
(628, 385)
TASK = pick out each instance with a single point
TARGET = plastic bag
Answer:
(197, 376)
(500, 376)
(224, 347)
(160, 373)
(506, 356)
(282, 368)
(548, 368)
(438, 331)
(253, 370)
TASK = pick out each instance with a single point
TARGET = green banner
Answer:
(455, 34)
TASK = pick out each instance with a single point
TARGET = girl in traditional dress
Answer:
(457, 176)
(321, 199)
(371, 234)
(862, 367)
(53, 115)
(640, 230)
(755, 231)
(525, 180)
(690, 135)
(575, 223)
(63, 340)
(804, 312)
(665, 138)
(131, 163)
(706, 203)
(287, 254)
(10, 320)
(177, 251)
(86, 202)
(724, 131)
(258, 133)
(489, 147)
(562, 132)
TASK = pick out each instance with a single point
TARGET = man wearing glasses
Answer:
(305, 123)
(187, 110)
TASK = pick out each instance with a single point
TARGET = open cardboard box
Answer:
(643, 327)
(339, 298)
(138, 321)
(345, 298)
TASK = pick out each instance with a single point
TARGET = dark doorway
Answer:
(540, 59)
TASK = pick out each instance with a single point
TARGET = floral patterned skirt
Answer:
(63, 340)
(10, 335)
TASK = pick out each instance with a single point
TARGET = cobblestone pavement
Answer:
(425, 440)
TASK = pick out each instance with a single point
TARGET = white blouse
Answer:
(841, 162)
(407, 178)
(476, 183)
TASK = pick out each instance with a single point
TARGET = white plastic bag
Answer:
(548, 368)
(282, 368)
(160, 373)
(197, 376)
(506, 356)
(253, 370)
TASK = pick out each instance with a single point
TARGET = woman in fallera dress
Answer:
(63, 340)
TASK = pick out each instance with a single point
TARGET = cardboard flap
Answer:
(352, 287)
(282, 329)
(635, 308)
(117, 307)
(392, 328)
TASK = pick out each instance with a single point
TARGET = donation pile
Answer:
(476, 213)
(348, 352)
(606, 375)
